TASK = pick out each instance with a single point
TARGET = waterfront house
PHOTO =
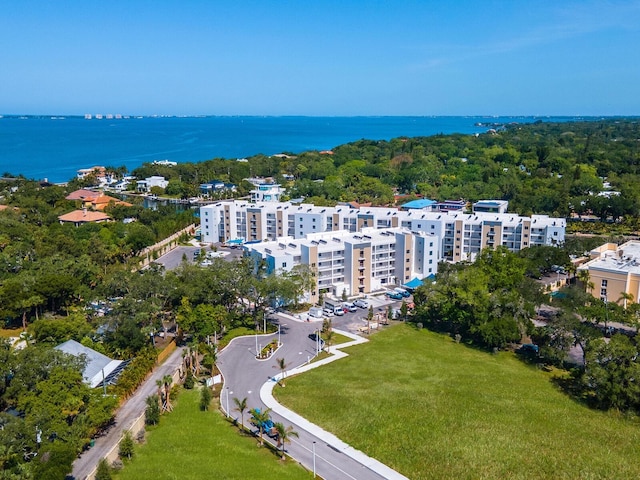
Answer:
(145, 186)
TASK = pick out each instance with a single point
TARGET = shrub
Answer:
(104, 470)
(152, 413)
(190, 381)
(205, 398)
(126, 446)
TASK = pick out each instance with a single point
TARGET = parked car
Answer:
(402, 292)
(349, 307)
(328, 312)
(394, 295)
(361, 303)
(528, 349)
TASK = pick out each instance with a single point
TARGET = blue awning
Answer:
(415, 283)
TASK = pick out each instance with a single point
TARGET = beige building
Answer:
(613, 271)
(353, 263)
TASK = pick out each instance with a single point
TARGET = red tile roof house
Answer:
(80, 217)
(95, 200)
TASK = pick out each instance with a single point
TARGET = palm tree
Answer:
(260, 418)
(583, 276)
(167, 380)
(625, 297)
(284, 435)
(328, 339)
(241, 407)
(280, 364)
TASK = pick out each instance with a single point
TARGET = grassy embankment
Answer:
(431, 408)
(191, 444)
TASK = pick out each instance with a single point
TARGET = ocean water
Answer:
(55, 148)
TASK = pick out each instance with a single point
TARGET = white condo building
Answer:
(461, 236)
(353, 262)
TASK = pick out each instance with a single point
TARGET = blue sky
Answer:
(320, 57)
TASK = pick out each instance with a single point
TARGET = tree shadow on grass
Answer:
(572, 386)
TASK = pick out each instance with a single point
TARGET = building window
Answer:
(555, 234)
(604, 283)
(284, 264)
(406, 269)
(603, 293)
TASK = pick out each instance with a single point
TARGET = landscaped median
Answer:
(431, 408)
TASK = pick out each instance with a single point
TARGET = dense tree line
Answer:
(552, 168)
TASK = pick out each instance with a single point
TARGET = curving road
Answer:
(245, 376)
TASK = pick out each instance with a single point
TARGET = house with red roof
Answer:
(80, 217)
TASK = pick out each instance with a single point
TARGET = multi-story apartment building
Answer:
(614, 272)
(353, 262)
(461, 235)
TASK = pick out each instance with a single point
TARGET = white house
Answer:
(148, 183)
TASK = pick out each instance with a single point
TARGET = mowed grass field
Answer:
(432, 409)
(191, 444)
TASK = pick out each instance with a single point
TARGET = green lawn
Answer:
(338, 339)
(191, 444)
(431, 408)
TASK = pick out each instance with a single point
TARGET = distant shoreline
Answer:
(54, 147)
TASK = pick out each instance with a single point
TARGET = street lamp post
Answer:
(314, 459)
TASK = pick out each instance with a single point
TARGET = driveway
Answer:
(245, 376)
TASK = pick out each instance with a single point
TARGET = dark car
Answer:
(528, 349)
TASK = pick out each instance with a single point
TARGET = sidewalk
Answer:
(266, 395)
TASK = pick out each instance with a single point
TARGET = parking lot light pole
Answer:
(314, 459)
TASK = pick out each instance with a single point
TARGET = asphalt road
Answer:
(125, 416)
(244, 375)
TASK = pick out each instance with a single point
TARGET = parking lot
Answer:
(356, 322)
(174, 258)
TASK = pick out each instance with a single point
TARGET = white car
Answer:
(361, 303)
(206, 263)
(350, 306)
(327, 312)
